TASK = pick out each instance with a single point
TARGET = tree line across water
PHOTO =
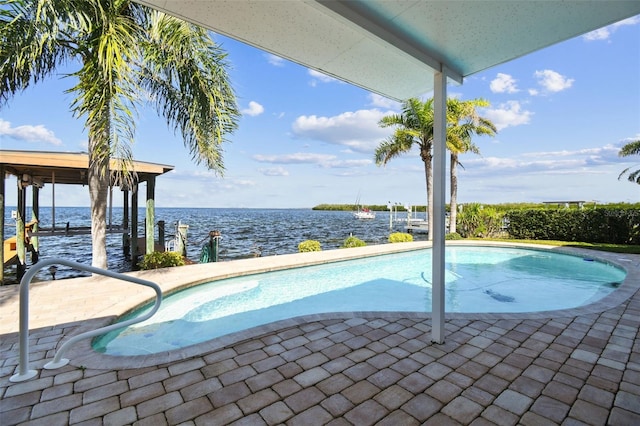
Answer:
(499, 207)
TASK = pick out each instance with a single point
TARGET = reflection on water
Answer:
(245, 232)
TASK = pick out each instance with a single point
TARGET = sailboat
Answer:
(363, 213)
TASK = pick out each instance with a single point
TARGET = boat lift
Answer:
(34, 169)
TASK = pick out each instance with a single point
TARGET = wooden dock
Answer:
(417, 226)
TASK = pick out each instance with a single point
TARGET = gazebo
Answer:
(34, 169)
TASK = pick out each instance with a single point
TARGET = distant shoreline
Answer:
(375, 207)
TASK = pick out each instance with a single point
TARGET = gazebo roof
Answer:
(64, 167)
(394, 47)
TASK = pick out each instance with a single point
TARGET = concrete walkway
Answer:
(578, 366)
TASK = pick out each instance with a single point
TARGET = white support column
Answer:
(439, 176)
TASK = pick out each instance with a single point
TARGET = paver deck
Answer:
(572, 367)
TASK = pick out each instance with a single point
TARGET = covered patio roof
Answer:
(393, 48)
(401, 49)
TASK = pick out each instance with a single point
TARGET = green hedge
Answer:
(602, 225)
(453, 236)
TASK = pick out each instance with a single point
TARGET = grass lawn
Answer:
(616, 248)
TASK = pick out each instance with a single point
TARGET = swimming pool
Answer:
(478, 279)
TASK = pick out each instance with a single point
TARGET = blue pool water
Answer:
(478, 279)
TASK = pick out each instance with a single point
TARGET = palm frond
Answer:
(633, 176)
(185, 71)
(396, 145)
(414, 126)
(632, 148)
(30, 50)
(106, 91)
(464, 122)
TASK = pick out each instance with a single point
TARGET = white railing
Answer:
(23, 367)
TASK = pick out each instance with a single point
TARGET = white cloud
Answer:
(296, 158)
(346, 164)
(607, 154)
(207, 179)
(254, 109)
(494, 166)
(274, 171)
(509, 114)
(503, 83)
(579, 161)
(552, 81)
(629, 140)
(29, 133)
(599, 34)
(274, 60)
(357, 130)
(379, 101)
(605, 32)
(322, 160)
(320, 77)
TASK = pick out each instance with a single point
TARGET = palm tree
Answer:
(463, 121)
(632, 148)
(126, 54)
(414, 126)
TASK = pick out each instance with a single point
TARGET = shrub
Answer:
(453, 236)
(476, 220)
(161, 259)
(400, 237)
(352, 241)
(309, 245)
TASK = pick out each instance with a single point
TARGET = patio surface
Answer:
(571, 367)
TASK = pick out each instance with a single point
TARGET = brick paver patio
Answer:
(573, 367)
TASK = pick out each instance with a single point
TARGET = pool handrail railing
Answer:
(23, 366)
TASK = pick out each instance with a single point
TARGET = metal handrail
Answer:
(23, 367)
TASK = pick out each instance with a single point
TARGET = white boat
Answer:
(364, 214)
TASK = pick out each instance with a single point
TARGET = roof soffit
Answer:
(393, 47)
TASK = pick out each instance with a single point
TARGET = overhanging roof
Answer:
(394, 47)
(65, 167)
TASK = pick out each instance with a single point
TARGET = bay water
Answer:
(244, 232)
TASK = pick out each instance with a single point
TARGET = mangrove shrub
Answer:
(400, 237)
(161, 259)
(352, 241)
(309, 245)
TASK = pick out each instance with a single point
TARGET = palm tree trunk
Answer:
(428, 171)
(453, 206)
(98, 182)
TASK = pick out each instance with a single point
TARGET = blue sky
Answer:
(305, 139)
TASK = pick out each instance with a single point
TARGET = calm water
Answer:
(478, 279)
(245, 232)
